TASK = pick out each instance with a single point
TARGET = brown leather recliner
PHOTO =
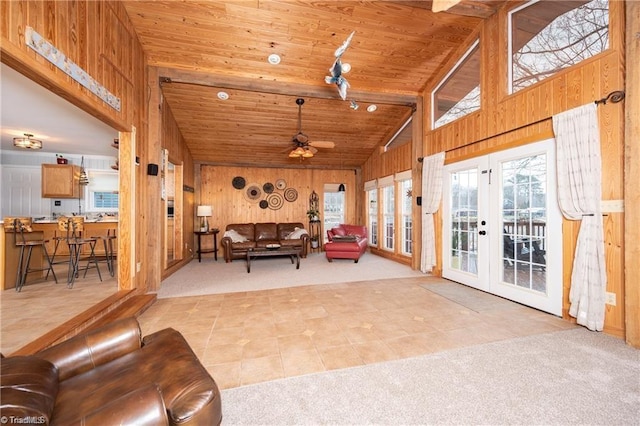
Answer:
(111, 376)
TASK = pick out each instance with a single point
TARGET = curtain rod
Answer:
(613, 97)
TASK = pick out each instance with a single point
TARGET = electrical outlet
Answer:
(610, 299)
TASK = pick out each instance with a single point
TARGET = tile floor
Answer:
(44, 305)
(251, 337)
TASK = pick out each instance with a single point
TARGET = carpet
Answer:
(574, 377)
(211, 277)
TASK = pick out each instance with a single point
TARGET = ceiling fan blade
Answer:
(313, 150)
(322, 144)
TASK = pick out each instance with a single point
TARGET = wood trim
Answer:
(278, 87)
(632, 176)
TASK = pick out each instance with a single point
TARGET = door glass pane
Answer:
(464, 220)
(524, 194)
(334, 207)
(407, 222)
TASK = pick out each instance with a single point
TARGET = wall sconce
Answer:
(204, 212)
(27, 142)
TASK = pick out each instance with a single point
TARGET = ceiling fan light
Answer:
(299, 151)
(293, 154)
(307, 153)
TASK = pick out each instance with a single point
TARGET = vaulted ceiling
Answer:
(204, 48)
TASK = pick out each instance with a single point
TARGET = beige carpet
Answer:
(211, 277)
(574, 377)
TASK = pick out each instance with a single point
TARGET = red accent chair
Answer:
(346, 242)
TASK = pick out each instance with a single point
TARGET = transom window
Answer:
(458, 94)
(548, 36)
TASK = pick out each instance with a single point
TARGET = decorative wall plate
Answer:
(264, 204)
(238, 182)
(253, 192)
(290, 194)
(275, 201)
(281, 184)
(267, 188)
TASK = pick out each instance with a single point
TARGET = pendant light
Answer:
(84, 178)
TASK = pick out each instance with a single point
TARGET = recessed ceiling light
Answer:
(346, 68)
(372, 108)
(274, 59)
(223, 96)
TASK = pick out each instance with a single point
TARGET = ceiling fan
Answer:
(304, 148)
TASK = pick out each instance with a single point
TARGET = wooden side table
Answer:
(214, 250)
(314, 231)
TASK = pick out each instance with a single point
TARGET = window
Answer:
(102, 191)
(546, 37)
(458, 94)
(406, 219)
(372, 212)
(388, 204)
(334, 206)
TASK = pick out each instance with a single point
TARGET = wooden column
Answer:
(632, 176)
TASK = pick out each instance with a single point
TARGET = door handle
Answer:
(482, 232)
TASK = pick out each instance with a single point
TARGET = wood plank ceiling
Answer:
(203, 48)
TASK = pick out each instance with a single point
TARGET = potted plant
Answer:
(313, 214)
(314, 241)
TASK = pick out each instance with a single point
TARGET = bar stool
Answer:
(61, 235)
(22, 225)
(74, 227)
(107, 241)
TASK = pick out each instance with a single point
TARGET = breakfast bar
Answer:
(48, 229)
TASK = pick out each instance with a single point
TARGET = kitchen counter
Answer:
(49, 229)
(100, 220)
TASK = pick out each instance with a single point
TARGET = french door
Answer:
(502, 228)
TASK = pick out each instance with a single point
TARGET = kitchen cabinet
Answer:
(61, 181)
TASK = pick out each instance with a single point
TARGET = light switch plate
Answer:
(610, 299)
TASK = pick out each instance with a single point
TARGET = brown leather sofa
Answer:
(346, 242)
(111, 376)
(258, 235)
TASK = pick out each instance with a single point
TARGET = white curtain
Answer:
(579, 193)
(432, 169)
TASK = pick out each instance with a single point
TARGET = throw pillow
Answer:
(297, 233)
(339, 231)
(235, 236)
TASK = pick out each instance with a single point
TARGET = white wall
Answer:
(20, 183)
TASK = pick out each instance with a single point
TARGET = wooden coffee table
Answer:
(279, 252)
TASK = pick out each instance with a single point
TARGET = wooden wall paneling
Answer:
(231, 205)
(568, 89)
(632, 176)
(153, 184)
(76, 28)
